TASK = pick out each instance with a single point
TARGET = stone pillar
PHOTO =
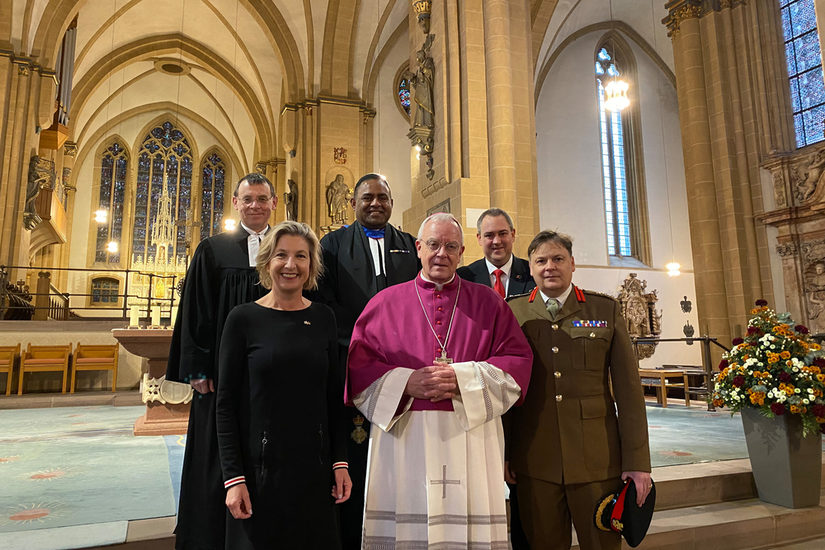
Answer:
(734, 111)
(484, 134)
(41, 300)
(27, 94)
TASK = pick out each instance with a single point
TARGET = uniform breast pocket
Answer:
(592, 344)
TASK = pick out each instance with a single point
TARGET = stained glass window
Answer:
(162, 195)
(213, 175)
(113, 169)
(804, 70)
(614, 173)
(403, 91)
(105, 290)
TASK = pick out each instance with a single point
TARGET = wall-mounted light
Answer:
(229, 224)
(111, 247)
(101, 216)
(673, 269)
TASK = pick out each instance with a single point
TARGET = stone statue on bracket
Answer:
(422, 80)
(639, 312)
(291, 200)
(815, 295)
(41, 176)
(806, 183)
(338, 195)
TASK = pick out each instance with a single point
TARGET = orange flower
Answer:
(757, 398)
(785, 354)
(814, 346)
(773, 357)
(795, 409)
(820, 377)
(820, 419)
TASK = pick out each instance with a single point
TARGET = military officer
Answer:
(566, 446)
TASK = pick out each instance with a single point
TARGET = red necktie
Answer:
(499, 286)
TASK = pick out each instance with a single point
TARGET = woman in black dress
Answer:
(280, 405)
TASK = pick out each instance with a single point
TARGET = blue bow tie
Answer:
(374, 233)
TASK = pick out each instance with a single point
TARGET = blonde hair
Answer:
(268, 246)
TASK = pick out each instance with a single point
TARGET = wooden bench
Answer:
(8, 354)
(45, 359)
(95, 357)
(660, 379)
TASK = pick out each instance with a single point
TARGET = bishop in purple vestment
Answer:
(433, 364)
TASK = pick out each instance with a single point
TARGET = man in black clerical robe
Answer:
(508, 276)
(221, 276)
(359, 261)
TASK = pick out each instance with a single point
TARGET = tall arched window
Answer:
(162, 195)
(213, 172)
(802, 53)
(622, 174)
(114, 163)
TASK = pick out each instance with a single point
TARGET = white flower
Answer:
(796, 390)
(805, 401)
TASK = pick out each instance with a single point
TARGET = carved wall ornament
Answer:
(339, 155)
(639, 311)
(422, 10)
(338, 196)
(291, 200)
(681, 10)
(779, 190)
(686, 305)
(260, 167)
(70, 149)
(41, 176)
(812, 173)
(164, 391)
(786, 249)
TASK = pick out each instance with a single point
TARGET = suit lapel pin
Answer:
(307, 323)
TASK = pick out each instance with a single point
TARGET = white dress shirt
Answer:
(505, 277)
(253, 243)
(561, 299)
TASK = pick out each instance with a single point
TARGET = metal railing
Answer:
(707, 363)
(57, 305)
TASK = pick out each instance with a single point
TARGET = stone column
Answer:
(734, 110)
(484, 134)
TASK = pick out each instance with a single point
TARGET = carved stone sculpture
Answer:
(639, 311)
(815, 295)
(291, 200)
(337, 196)
(814, 172)
(41, 176)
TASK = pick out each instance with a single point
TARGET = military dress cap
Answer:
(618, 512)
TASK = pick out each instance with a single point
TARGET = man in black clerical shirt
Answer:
(359, 261)
(508, 276)
(221, 275)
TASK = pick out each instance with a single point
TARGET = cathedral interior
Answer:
(692, 189)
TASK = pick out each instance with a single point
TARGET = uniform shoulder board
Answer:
(602, 294)
(514, 296)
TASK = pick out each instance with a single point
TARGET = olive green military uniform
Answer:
(566, 444)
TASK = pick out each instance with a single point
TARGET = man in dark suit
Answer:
(359, 261)
(582, 427)
(509, 276)
(499, 269)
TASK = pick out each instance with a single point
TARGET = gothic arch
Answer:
(154, 46)
(59, 13)
(238, 164)
(618, 27)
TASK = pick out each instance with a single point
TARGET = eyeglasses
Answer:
(450, 248)
(249, 201)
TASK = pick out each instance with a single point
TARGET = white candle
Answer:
(134, 316)
(155, 316)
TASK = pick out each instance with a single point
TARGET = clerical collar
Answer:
(374, 233)
(506, 268)
(253, 232)
(561, 299)
(438, 286)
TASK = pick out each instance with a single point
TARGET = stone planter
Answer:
(786, 466)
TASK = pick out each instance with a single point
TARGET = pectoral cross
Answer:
(443, 359)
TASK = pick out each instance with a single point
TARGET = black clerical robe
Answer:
(349, 282)
(219, 278)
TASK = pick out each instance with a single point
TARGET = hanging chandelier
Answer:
(615, 94)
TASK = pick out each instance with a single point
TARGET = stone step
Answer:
(706, 483)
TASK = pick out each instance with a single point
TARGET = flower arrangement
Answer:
(776, 368)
